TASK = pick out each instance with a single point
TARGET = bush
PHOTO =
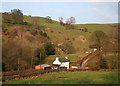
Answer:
(33, 32)
(24, 23)
(41, 51)
(42, 27)
(50, 49)
(68, 48)
(43, 33)
(97, 62)
(59, 32)
(94, 63)
(99, 38)
(85, 30)
(69, 26)
(49, 20)
(111, 60)
(52, 31)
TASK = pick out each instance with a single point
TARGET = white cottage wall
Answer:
(65, 64)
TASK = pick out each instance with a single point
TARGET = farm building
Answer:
(75, 67)
(61, 63)
(55, 66)
(43, 66)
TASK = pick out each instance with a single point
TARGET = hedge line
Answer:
(7, 76)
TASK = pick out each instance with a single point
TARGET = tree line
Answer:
(24, 51)
(107, 43)
(22, 54)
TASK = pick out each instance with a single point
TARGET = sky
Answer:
(84, 12)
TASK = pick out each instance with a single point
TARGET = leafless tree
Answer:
(70, 20)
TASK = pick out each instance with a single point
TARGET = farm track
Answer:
(82, 62)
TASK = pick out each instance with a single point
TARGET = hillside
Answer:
(35, 32)
(58, 33)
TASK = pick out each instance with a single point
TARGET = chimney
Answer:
(57, 58)
(66, 57)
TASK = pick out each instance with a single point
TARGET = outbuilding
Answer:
(43, 66)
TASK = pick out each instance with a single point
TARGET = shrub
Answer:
(97, 62)
(24, 23)
(59, 32)
(68, 48)
(33, 32)
(85, 30)
(40, 53)
(50, 49)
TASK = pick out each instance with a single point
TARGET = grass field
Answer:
(71, 57)
(58, 33)
(88, 77)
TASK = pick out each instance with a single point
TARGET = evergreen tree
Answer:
(50, 49)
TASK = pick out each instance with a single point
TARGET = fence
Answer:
(7, 76)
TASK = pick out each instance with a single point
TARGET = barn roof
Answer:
(45, 65)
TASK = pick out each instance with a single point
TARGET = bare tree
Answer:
(49, 19)
(61, 21)
(17, 16)
(70, 20)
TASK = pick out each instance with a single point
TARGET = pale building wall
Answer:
(74, 67)
(65, 64)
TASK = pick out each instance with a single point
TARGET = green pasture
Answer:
(89, 77)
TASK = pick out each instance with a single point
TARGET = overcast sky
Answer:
(84, 12)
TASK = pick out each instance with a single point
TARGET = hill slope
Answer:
(58, 33)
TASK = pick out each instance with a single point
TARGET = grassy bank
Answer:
(71, 57)
(88, 77)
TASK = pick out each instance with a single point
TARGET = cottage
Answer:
(62, 62)
(43, 66)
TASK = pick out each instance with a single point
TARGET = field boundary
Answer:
(7, 76)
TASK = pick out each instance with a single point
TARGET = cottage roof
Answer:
(64, 60)
(55, 65)
(45, 65)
